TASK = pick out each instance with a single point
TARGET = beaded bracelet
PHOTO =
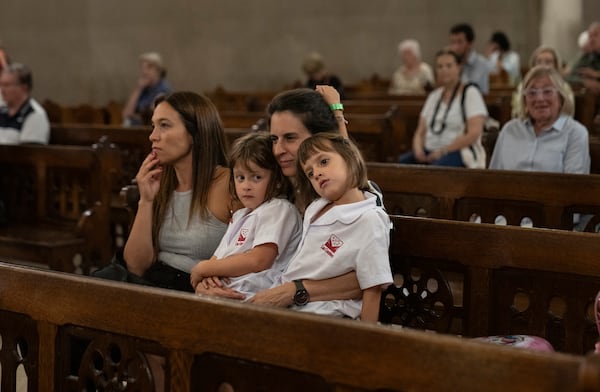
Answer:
(336, 106)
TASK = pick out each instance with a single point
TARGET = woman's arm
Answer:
(341, 287)
(370, 304)
(258, 259)
(577, 155)
(332, 96)
(139, 250)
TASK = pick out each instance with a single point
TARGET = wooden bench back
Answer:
(63, 188)
(479, 279)
(548, 199)
(252, 101)
(79, 333)
(243, 119)
(372, 134)
(132, 142)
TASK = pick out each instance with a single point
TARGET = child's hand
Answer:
(196, 275)
(223, 292)
(214, 281)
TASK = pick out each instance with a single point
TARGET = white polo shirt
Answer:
(276, 221)
(349, 237)
(29, 125)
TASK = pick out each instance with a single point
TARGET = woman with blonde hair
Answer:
(544, 137)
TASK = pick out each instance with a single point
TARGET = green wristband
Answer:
(336, 106)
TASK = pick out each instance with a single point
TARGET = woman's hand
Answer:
(435, 155)
(420, 155)
(196, 275)
(223, 292)
(148, 178)
(330, 94)
(281, 296)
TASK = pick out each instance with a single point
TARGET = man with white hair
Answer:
(413, 76)
(22, 119)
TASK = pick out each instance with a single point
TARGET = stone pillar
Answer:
(562, 22)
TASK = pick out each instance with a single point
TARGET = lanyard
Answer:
(437, 108)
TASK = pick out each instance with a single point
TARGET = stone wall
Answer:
(86, 50)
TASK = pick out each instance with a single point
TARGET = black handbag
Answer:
(158, 275)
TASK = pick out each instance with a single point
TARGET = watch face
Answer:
(301, 297)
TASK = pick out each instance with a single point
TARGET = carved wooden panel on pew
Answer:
(57, 201)
(194, 335)
(513, 197)
(479, 280)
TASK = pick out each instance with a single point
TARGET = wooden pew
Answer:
(57, 200)
(480, 279)
(372, 134)
(586, 108)
(79, 114)
(498, 102)
(548, 199)
(132, 142)
(79, 334)
(241, 119)
(252, 101)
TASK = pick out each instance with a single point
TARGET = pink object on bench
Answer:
(524, 341)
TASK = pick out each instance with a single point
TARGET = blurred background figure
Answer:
(502, 59)
(413, 76)
(22, 118)
(150, 84)
(583, 43)
(475, 67)
(3, 63)
(316, 73)
(587, 69)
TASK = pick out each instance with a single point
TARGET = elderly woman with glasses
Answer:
(545, 137)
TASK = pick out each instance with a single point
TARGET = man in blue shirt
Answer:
(476, 68)
(151, 83)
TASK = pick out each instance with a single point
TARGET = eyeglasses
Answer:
(545, 92)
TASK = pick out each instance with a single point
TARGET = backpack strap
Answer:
(462, 100)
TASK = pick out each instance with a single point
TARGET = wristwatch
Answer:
(301, 297)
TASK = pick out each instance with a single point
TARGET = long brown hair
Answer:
(202, 121)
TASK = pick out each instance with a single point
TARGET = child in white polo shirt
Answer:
(263, 236)
(344, 230)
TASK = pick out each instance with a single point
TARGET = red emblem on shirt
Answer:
(332, 245)
(242, 237)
